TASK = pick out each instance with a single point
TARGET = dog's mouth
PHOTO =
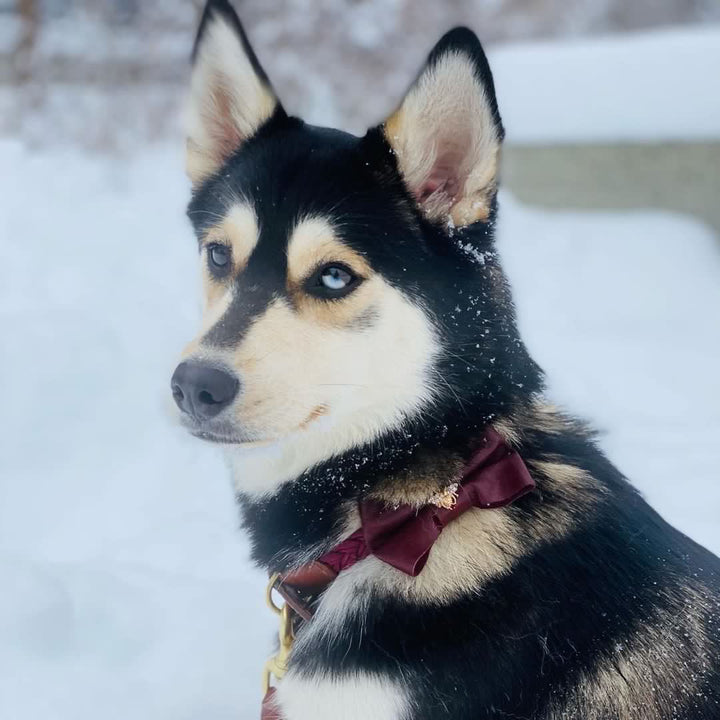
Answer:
(229, 439)
(225, 435)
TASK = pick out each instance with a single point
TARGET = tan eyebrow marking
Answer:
(313, 242)
(239, 230)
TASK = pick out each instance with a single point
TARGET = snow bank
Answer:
(660, 85)
(126, 591)
(621, 310)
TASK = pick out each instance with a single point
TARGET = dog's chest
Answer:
(359, 696)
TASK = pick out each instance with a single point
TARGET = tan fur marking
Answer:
(417, 485)
(239, 231)
(341, 313)
(279, 329)
(575, 493)
(294, 359)
(473, 549)
(547, 417)
(508, 431)
(571, 478)
(313, 243)
(539, 415)
(319, 411)
(650, 675)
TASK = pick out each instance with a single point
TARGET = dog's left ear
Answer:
(447, 132)
(230, 94)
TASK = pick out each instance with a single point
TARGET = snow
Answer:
(126, 589)
(126, 585)
(653, 86)
(621, 309)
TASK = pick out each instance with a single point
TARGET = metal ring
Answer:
(274, 579)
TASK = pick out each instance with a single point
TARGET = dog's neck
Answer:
(313, 510)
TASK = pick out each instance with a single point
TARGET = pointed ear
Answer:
(447, 132)
(230, 94)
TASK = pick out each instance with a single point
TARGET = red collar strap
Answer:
(403, 536)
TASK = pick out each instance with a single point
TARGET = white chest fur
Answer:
(355, 697)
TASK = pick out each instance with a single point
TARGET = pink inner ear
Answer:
(442, 180)
(221, 126)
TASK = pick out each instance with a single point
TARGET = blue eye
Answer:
(332, 281)
(219, 255)
(335, 278)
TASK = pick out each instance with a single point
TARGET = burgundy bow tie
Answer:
(403, 536)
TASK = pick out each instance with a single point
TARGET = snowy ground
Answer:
(126, 592)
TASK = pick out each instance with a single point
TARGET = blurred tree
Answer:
(310, 49)
(30, 18)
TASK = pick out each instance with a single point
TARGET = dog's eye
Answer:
(332, 281)
(219, 255)
(335, 278)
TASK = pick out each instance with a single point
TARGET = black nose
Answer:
(202, 391)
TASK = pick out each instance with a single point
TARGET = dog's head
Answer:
(350, 284)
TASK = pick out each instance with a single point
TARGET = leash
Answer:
(402, 536)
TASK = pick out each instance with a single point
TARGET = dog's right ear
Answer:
(230, 94)
(447, 132)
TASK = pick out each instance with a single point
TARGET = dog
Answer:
(360, 366)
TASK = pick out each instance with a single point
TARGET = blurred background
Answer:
(126, 588)
(110, 73)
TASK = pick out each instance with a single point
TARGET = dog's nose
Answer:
(202, 391)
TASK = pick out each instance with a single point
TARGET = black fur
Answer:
(523, 643)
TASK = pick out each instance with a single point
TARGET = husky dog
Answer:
(358, 339)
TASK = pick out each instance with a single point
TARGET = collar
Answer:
(402, 536)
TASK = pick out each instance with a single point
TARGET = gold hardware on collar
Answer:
(276, 666)
(446, 498)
